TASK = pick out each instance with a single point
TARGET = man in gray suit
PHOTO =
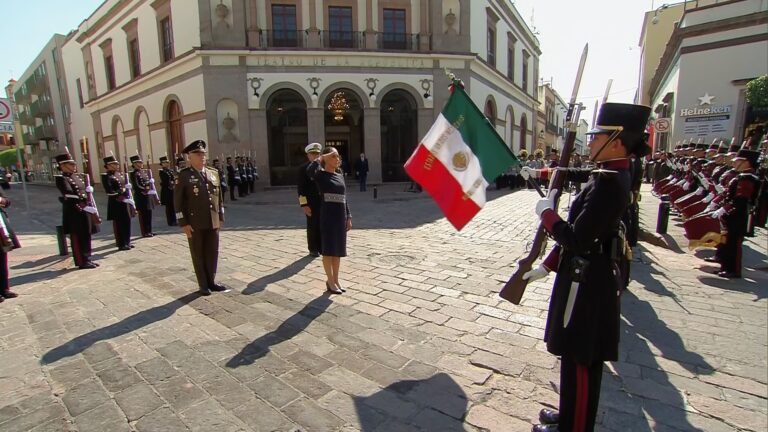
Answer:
(198, 201)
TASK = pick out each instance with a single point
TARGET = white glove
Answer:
(686, 186)
(128, 186)
(536, 274)
(719, 188)
(546, 203)
(525, 172)
(699, 190)
(153, 192)
(89, 189)
(709, 198)
(90, 209)
(130, 202)
(152, 181)
(704, 182)
(718, 213)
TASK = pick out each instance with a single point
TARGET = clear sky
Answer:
(612, 28)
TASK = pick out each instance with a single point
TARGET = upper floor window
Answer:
(526, 56)
(79, 92)
(133, 58)
(394, 36)
(491, 55)
(340, 27)
(284, 28)
(511, 42)
(109, 66)
(166, 38)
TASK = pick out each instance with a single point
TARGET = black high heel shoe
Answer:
(338, 285)
(332, 290)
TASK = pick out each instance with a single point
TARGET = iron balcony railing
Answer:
(338, 39)
(342, 39)
(284, 38)
(398, 41)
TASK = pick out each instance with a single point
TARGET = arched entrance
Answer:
(287, 136)
(344, 125)
(175, 131)
(398, 134)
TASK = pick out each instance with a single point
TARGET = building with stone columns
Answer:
(265, 77)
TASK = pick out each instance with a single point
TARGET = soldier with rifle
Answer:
(142, 192)
(233, 178)
(583, 321)
(76, 210)
(167, 181)
(120, 204)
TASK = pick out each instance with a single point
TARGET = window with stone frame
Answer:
(394, 35)
(490, 56)
(284, 26)
(340, 27)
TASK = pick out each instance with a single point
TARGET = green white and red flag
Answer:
(460, 155)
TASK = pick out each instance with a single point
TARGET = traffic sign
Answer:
(6, 113)
(7, 127)
(662, 125)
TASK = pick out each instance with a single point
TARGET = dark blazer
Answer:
(74, 199)
(233, 175)
(167, 183)
(199, 201)
(308, 192)
(114, 186)
(361, 166)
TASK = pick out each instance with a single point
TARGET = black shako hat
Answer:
(621, 117)
(750, 155)
(163, 159)
(109, 159)
(64, 158)
(135, 158)
(198, 146)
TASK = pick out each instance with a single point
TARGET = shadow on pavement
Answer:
(286, 331)
(743, 285)
(49, 260)
(284, 273)
(37, 276)
(445, 402)
(127, 325)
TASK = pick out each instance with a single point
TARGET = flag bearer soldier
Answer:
(8, 242)
(310, 200)
(742, 194)
(141, 192)
(167, 181)
(199, 209)
(233, 178)
(120, 206)
(583, 320)
(76, 219)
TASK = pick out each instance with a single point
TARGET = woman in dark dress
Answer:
(335, 219)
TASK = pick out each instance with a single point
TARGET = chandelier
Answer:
(338, 106)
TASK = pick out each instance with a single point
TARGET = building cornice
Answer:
(517, 23)
(674, 47)
(103, 20)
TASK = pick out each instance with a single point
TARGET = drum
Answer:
(703, 231)
(693, 209)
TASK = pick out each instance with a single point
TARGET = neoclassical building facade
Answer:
(262, 78)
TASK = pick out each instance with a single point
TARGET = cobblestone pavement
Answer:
(420, 342)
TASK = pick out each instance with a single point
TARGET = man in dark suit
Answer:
(310, 201)
(120, 204)
(141, 195)
(361, 169)
(76, 219)
(8, 242)
(167, 182)
(200, 212)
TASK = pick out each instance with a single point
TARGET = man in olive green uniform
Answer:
(198, 200)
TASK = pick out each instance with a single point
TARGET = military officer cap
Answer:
(197, 146)
(109, 159)
(163, 159)
(136, 158)
(64, 158)
(749, 155)
(313, 148)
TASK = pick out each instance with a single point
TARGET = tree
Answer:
(8, 158)
(757, 92)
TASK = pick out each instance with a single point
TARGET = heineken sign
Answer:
(685, 112)
(706, 119)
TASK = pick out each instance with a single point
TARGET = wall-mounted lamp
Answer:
(655, 19)
(314, 84)
(256, 85)
(426, 85)
(371, 84)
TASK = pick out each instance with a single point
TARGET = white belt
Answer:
(334, 198)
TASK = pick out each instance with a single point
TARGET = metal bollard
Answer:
(62, 238)
(663, 217)
(375, 192)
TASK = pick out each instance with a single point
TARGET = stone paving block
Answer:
(313, 417)
(71, 373)
(209, 416)
(273, 390)
(385, 357)
(137, 401)
(161, 420)
(156, 370)
(84, 397)
(180, 393)
(58, 425)
(352, 410)
(383, 375)
(492, 420)
(118, 377)
(379, 338)
(258, 415)
(348, 360)
(309, 362)
(106, 417)
(344, 380)
(306, 384)
(349, 342)
(99, 352)
(32, 419)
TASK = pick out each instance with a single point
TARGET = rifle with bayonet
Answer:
(514, 288)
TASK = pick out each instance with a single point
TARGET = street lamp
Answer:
(655, 19)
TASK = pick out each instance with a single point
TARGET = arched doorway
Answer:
(287, 136)
(490, 111)
(509, 131)
(344, 125)
(398, 134)
(175, 130)
(524, 133)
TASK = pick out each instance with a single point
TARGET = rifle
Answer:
(128, 189)
(514, 288)
(93, 214)
(152, 190)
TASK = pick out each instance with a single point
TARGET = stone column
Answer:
(425, 118)
(313, 33)
(260, 136)
(316, 125)
(370, 33)
(372, 139)
(253, 31)
(424, 33)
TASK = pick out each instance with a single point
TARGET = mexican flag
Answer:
(457, 159)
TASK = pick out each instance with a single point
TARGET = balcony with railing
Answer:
(26, 118)
(398, 41)
(284, 38)
(342, 39)
(46, 132)
(29, 138)
(40, 108)
(37, 83)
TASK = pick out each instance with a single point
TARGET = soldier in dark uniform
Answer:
(583, 320)
(199, 209)
(8, 242)
(233, 178)
(223, 177)
(167, 182)
(632, 215)
(141, 195)
(120, 204)
(742, 193)
(76, 219)
(242, 187)
(250, 171)
(310, 200)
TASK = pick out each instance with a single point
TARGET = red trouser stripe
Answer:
(76, 249)
(582, 398)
